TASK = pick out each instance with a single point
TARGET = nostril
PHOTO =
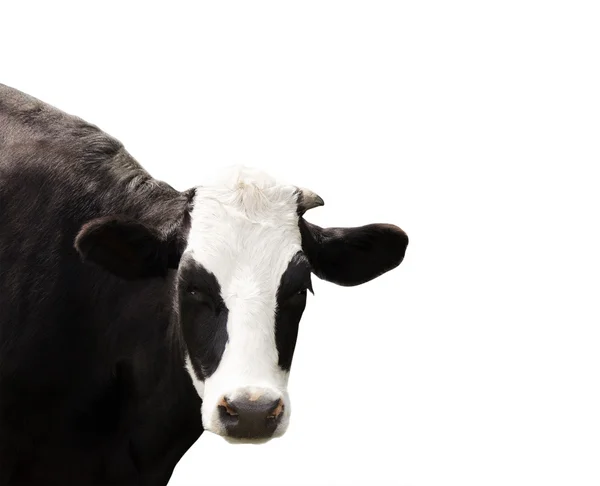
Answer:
(276, 412)
(228, 407)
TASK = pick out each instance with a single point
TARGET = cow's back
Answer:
(73, 369)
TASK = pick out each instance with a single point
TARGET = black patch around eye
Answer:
(203, 316)
(291, 301)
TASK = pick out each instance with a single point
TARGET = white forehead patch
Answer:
(247, 225)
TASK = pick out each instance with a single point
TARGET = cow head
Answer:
(243, 271)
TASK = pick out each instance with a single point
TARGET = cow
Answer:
(134, 316)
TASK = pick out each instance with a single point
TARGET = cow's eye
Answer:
(299, 294)
(201, 297)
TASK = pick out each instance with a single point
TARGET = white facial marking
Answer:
(245, 231)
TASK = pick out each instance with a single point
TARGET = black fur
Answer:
(203, 316)
(291, 301)
(92, 387)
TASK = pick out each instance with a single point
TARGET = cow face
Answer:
(243, 275)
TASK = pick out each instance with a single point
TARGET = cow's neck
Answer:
(161, 402)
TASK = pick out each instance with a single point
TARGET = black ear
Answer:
(352, 256)
(128, 248)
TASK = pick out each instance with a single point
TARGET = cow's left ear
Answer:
(352, 256)
(128, 248)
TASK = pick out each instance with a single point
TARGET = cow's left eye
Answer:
(300, 294)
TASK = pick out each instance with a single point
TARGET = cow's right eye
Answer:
(201, 297)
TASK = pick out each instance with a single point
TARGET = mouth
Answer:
(236, 441)
(253, 439)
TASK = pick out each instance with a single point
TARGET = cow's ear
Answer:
(352, 256)
(128, 248)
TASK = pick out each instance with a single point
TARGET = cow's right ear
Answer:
(128, 248)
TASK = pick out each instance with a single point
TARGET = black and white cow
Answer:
(134, 316)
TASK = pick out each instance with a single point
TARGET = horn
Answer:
(308, 200)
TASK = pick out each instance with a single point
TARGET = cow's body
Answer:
(93, 388)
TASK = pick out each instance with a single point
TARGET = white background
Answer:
(475, 126)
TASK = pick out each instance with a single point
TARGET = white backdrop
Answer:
(472, 125)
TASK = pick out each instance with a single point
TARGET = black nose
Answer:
(246, 418)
